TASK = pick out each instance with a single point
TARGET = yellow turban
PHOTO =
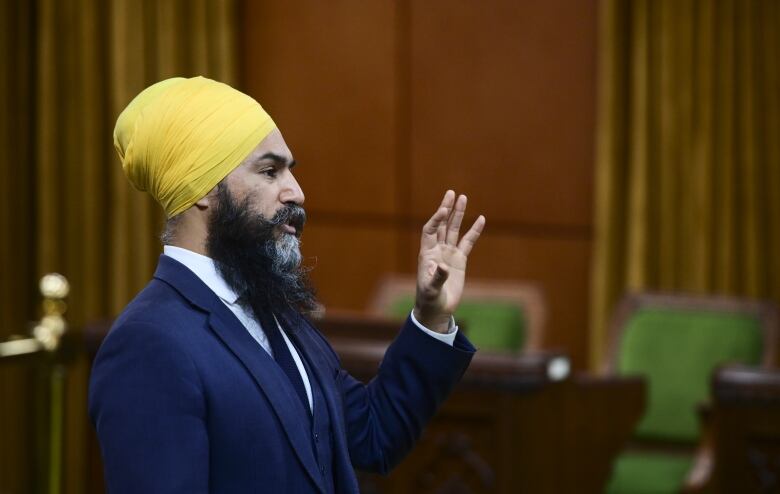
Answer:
(178, 138)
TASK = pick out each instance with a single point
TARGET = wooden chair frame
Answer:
(527, 296)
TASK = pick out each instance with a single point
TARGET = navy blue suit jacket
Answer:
(185, 401)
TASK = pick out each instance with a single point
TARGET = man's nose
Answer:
(291, 192)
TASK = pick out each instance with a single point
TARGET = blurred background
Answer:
(616, 147)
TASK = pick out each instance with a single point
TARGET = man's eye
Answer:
(269, 172)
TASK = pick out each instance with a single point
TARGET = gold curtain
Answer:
(687, 151)
(70, 67)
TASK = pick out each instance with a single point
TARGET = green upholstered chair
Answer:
(676, 342)
(498, 316)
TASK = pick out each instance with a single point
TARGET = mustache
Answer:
(290, 214)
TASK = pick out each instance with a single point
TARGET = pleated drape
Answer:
(70, 67)
(687, 151)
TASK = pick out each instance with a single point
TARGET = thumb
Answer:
(439, 277)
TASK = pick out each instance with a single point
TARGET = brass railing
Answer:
(46, 341)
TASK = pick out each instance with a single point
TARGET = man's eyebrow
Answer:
(278, 159)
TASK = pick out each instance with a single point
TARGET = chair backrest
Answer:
(675, 342)
(497, 315)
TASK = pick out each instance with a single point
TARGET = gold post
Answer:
(54, 288)
(56, 423)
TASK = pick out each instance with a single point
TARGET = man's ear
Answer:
(204, 202)
(207, 201)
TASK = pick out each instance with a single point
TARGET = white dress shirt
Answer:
(204, 268)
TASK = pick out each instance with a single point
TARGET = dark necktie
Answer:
(284, 358)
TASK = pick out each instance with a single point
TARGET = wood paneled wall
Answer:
(386, 104)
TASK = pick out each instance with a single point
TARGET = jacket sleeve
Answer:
(385, 417)
(147, 405)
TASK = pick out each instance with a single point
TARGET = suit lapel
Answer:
(314, 351)
(258, 363)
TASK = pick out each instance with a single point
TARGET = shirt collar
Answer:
(204, 268)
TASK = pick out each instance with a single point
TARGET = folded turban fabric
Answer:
(180, 137)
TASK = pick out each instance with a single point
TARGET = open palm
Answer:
(441, 267)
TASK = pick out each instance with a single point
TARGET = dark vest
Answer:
(321, 431)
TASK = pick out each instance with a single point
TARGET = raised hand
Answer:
(441, 265)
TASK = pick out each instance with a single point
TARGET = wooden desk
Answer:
(741, 447)
(508, 427)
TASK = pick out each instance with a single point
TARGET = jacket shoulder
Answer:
(158, 303)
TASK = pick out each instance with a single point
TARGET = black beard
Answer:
(249, 253)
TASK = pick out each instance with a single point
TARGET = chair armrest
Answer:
(700, 478)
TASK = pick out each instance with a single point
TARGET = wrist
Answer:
(437, 322)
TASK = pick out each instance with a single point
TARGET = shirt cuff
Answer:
(448, 337)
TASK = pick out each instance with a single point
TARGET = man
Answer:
(212, 379)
